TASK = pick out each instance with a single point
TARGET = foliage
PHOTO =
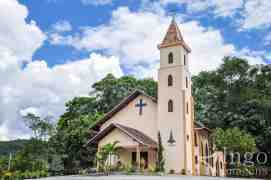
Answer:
(160, 159)
(110, 90)
(234, 140)
(18, 175)
(11, 146)
(41, 127)
(105, 154)
(236, 95)
(129, 169)
(32, 159)
(75, 126)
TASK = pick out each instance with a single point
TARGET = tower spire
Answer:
(173, 36)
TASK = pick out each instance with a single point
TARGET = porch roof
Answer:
(134, 134)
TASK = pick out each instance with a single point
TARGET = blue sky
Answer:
(48, 12)
(53, 50)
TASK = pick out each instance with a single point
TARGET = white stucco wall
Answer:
(129, 116)
(178, 157)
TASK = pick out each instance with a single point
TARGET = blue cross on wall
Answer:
(141, 104)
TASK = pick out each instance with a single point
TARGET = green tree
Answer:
(42, 127)
(234, 140)
(160, 158)
(75, 126)
(236, 95)
(110, 90)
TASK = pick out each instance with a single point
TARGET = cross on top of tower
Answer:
(173, 13)
(173, 36)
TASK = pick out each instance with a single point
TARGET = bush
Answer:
(83, 171)
(129, 169)
(152, 169)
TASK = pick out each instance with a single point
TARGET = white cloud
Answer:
(220, 7)
(253, 57)
(62, 26)
(96, 2)
(134, 36)
(256, 14)
(36, 87)
(30, 110)
(18, 37)
(129, 39)
(252, 14)
(44, 90)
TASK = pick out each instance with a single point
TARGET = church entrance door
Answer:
(144, 159)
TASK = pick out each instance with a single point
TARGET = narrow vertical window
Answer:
(207, 153)
(196, 139)
(170, 80)
(202, 150)
(186, 82)
(187, 108)
(170, 106)
(184, 59)
(170, 58)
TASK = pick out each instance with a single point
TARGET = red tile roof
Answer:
(173, 37)
(134, 134)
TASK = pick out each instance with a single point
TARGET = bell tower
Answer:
(175, 116)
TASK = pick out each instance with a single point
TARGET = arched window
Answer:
(170, 58)
(187, 108)
(202, 151)
(170, 106)
(170, 80)
(196, 139)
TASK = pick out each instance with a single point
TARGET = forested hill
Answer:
(7, 147)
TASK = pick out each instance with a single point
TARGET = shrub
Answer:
(129, 169)
(83, 171)
(152, 169)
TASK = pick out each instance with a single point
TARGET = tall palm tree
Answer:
(110, 150)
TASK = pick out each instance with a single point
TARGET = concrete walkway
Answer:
(141, 178)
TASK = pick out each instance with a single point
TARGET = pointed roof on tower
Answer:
(173, 37)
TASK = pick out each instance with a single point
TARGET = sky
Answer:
(54, 50)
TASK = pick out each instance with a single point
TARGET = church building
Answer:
(138, 119)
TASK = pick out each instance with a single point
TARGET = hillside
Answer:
(7, 147)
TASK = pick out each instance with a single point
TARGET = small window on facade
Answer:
(170, 80)
(184, 59)
(196, 139)
(187, 108)
(187, 137)
(170, 106)
(221, 165)
(202, 150)
(207, 153)
(186, 82)
(170, 58)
